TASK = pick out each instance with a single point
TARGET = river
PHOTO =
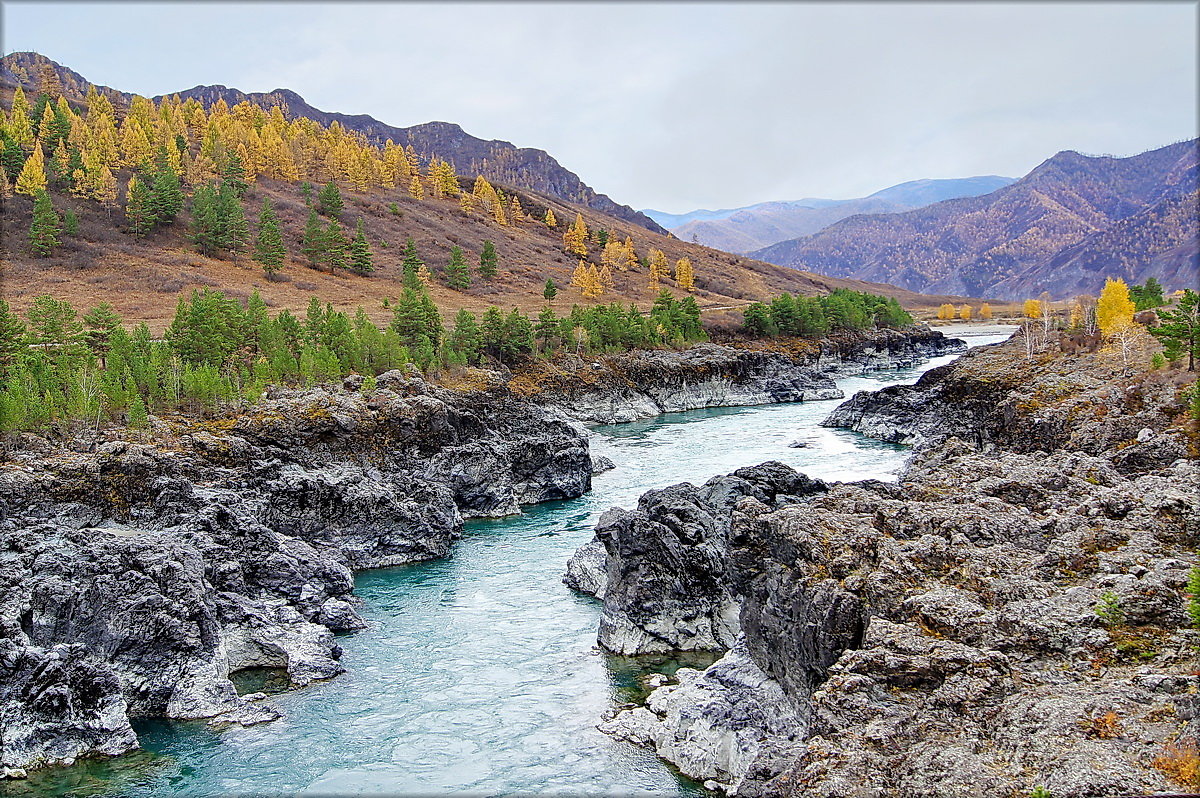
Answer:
(478, 673)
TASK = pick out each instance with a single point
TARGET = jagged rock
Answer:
(587, 569)
(58, 704)
(946, 635)
(641, 384)
(714, 724)
(145, 573)
(666, 582)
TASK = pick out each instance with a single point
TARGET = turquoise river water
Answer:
(479, 673)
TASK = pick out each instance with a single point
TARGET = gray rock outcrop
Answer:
(1010, 614)
(135, 577)
(642, 384)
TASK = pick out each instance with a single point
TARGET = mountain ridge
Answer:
(980, 246)
(753, 227)
(497, 160)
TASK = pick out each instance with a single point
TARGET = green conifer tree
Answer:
(70, 223)
(361, 260)
(550, 290)
(329, 200)
(334, 246)
(139, 210)
(166, 192)
(412, 264)
(45, 226)
(312, 242)
(458, 273)
(488, 261)
(268, 246)
(234, 229)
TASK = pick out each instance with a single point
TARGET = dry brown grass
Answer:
(1181, 762)
(143, 279)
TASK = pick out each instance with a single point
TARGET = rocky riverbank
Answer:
(136, 575)
(645, 383)
(1010, 614)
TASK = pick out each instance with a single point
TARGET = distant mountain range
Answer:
(752, 227)
(499, 161)
(1062, 228)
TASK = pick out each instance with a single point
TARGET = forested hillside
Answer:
(135, 205)
(498, 161)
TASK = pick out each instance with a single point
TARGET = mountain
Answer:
(498, 161)
(756, 226)
(142, 278)
(1025, 237)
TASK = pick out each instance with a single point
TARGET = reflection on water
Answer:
(479, 673)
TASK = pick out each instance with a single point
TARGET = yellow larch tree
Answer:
(497, 204)
(658, 267)
(579, 276)
(613, 254)
(32, 178)
(424, 275)
(466, 201)
(415, 188)
(594, 287)
(685, 277)
(575, 237)
(1114, 309)
(516, 212)
(631, 259)
(550, 219)
(606, 277)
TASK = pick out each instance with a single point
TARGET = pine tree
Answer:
(32, 178)
(684, 276)
(1179, 329)
(312, 241)
(235, 231)
(334, 246)
(361, 260)
(139, 210)
(488, 261)
(1114, 309)
(547, 324)
(205, 228)
(411, 264)
(550, 290)
(166, 193)
(70, 223)
(466, 337)
(268, 246)
(458, 273)
(45, 226)
(329, 201)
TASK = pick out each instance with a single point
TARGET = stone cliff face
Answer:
(137, 576)
(643, 384)
(941, 636)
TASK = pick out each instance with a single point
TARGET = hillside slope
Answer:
(756, 226)
(1001, 244)
(143, 278)
(499, 161)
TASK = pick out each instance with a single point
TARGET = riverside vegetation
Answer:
(59, 369)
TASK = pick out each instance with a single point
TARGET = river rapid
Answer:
(479, 673)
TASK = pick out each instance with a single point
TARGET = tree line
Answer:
(841, 309)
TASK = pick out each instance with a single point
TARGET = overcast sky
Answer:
(677, 106)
